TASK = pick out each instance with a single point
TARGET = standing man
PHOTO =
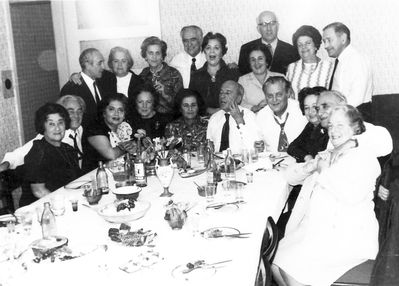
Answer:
(233, 126)
(92, 63)
(192, 58)
(280, 55)
(281, 121)
(352, 75)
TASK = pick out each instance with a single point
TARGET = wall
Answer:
(10, 137)
(373, 26)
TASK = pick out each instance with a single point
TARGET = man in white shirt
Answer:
(352, 74)
(242, 131)
(75, 106)
(281, 121)
(192, 58)
(92, 64)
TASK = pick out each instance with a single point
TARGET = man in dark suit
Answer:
(92, 63)
(280, 55)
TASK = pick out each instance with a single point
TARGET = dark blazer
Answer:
(108, 82)
(84, 92)
(283, 56)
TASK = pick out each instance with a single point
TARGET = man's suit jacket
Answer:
(84, 92)
(283, 56)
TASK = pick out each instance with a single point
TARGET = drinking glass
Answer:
(210, 192)
(201, 154)
(58, 204)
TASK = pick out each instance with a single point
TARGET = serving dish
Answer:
(109, 212)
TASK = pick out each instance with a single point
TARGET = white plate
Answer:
(127, 190)
(198, 274)
(77, 184)
(109, 213)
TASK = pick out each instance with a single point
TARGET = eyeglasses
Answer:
(265, 24)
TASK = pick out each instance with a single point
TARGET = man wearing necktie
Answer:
(92, 64)
(233, 126)
(281, 121)
(352, 75)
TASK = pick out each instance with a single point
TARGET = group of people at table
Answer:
(281, 94)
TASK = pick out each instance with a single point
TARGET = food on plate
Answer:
(138, 237)
(126, 204)
(175, 214)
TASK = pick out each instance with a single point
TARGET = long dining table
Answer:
(85, 228)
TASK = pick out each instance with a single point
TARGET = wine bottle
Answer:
(230, 166)
(139, 168)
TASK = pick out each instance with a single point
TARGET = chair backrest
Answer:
(269, 240)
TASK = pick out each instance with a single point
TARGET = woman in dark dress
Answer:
(50, 164)
(144, 114)
(190, 126)
(208, 79)
(101, 141)
(313, 138)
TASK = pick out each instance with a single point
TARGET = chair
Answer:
(267, 251)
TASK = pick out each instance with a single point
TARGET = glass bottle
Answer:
(49, 227)
(187, 156)
(209, 149)
(230, 166)
(213, 171)
(139, 168)
(129, 170)
(102, 179)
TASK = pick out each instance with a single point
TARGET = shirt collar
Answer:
(87, 79)
(273, 44)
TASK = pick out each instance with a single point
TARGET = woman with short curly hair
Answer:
(309, 70)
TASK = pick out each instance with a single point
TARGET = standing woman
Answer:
(208, 79)
(50, 163)
(166, 80)
(252, 82)
(310, 70)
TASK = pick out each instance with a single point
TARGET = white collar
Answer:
(89, 81)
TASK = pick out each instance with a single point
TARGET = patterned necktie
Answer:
(193, 67)
(269, 55)
(282, 140)
(96, 95)
(333, 73)
(224, 142)
(75, 145)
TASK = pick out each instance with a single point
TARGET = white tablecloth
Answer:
(265, 197)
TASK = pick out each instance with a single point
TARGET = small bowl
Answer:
(201, 191)
(92, 196)
(127, 192)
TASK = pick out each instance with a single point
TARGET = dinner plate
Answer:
(143, 260)
(77, 184)
(191, 172)
(197, 274)
(47, 244)
(109, 212)
(218, 232)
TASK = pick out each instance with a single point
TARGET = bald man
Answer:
(280, 55)
(242, 131)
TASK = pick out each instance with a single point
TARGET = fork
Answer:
(203, 265)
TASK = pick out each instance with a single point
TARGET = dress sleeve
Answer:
(34, 162)
(296, 148)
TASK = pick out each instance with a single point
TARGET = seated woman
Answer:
(190, 126)
(166, 80)
(50, 163)
(208, 79)
(333, 225)
(313, 138)
(144, 116)
(100, 141)
(310, 70)
(252, 82)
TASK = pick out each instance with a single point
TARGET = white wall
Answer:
(373, 26)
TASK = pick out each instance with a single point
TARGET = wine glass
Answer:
(165, 173)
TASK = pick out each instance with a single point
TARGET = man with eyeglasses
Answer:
(281, 121)
(281, 54)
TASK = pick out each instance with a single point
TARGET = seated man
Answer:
(281, 121)
(235, 134)
(92, 64)
(75, 106)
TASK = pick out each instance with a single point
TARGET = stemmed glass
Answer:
(165, 173)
